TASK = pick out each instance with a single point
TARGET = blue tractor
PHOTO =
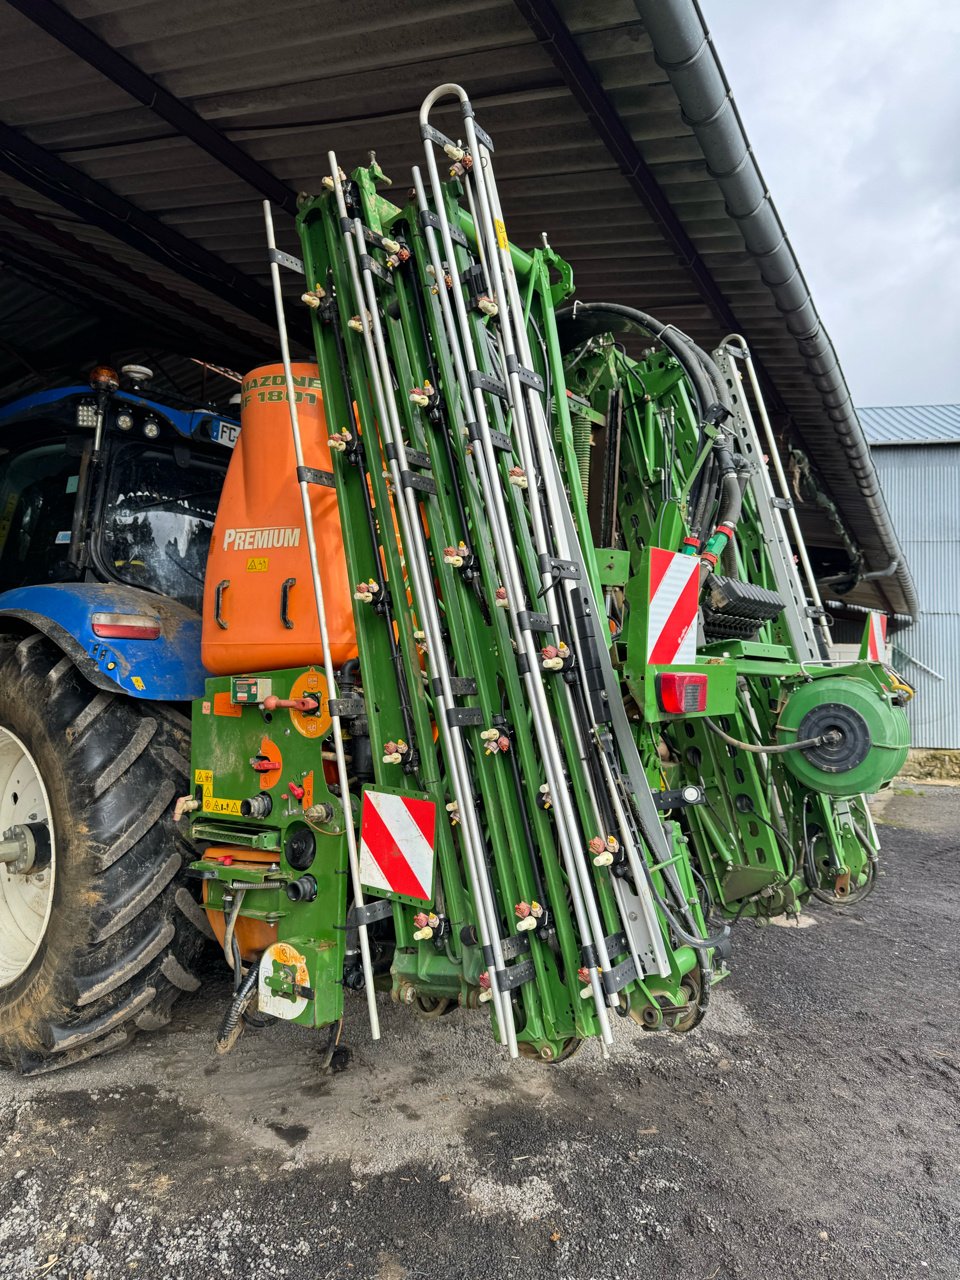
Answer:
(107, 502)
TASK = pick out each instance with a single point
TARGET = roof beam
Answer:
(563, 51)
(212, 324)
(95, 203)
(79, 39)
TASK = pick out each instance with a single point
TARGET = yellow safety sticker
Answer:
(258, 564)
(138, 683)
(203, 778)
(501, 231)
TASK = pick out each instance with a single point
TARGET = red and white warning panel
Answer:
(672, 602)
(397, 843)
(874, 645)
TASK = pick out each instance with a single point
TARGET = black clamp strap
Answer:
(516, 975)
(482, 135)
(425, 484)
(619, 976)
(286, 260)
(516, 945)
(347, 708)
(310, 475)
(528, 621)
(559, 568)
(418, 458)
(460, 686)
(370, 264)
(369, 914)
(486, 382)
(526, 376)
(429, 219)
(464, 717)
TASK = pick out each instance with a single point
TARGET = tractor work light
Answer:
(680, 693)
(86, 413)
(126, 626)
(151, 428)
(125, 421)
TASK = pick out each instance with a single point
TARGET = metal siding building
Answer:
(916, 449)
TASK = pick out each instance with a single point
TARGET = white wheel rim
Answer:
(26, 901)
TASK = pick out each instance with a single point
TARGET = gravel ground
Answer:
(810, 1128)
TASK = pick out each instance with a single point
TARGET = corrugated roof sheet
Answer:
(912, 424)
(288, 81)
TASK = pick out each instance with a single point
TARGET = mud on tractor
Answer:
(519, 688)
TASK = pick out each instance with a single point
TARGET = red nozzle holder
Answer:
(295, 790)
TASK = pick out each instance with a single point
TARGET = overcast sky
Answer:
(853, 111)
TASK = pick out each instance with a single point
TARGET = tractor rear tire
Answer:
(115, 938)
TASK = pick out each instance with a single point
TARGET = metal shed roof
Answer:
(138, 138)
(912, 424)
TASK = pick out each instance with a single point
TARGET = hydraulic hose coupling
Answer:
(487, 306)
(338, 441)
(544, 798)
(302, 890)
(367, 592)
(486, 993)
(454, 811)
(259, 806)
(518, 478)
(529, 915)
(393, 752)
(500, 598)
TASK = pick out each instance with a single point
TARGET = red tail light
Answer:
(680, 693)
(125, 626)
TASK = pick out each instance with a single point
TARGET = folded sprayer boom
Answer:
(577, 714)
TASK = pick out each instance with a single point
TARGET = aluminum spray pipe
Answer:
(737, 346)
(328, 669)
(585, 908)
(388, 419)
(491, 225)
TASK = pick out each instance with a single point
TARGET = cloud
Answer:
(852, 108)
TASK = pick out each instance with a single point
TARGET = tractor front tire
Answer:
(102, 938)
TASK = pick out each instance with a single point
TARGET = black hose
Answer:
(231, 1026)
(771, 749)
(678, 345)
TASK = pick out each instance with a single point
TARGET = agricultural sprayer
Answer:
(520, 693)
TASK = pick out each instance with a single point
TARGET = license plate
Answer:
(225, 433)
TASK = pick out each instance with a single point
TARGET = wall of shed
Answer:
(921, 484)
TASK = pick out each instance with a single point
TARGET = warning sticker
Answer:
(203, 778)
(501, 231)
(258, 564)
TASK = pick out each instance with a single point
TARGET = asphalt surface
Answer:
(810, 1128)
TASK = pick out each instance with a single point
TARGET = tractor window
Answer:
(157, 519)
(38, 492)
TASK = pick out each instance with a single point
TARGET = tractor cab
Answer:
(103, 486)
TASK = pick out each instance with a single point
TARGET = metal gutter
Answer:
(684, 48)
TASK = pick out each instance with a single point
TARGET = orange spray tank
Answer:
(259, 612)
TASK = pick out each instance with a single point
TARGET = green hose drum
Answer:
(869, 734)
